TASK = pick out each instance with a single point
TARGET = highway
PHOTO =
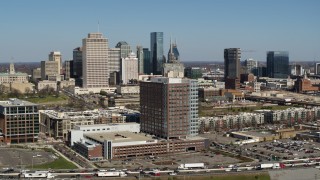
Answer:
(292, 164)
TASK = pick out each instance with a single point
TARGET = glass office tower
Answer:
(278, 64)
(156, 48)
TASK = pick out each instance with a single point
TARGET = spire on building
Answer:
(11, 69)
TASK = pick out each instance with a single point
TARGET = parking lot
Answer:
(209, 158)
(283, 149)
(16, 157)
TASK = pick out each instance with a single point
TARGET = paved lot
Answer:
(171, 161)
(12, 157)
(295, 174)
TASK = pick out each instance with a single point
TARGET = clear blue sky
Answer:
(30, 29)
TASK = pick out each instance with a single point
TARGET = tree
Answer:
(15, 93)
(27, 91)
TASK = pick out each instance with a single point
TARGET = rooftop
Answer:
(16, 102)
(120, 137)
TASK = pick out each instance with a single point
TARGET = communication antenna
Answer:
(98, 26)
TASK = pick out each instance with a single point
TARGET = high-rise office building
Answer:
(77, 62)
(169, 107)
(140, 59)
(114, 59)
(95, 61)
(68, 69)
(156, 48)
(278, 64)
(56, 56)
(125, 49)
(232, 63)
(147, 64)
(19, 121)
(232, 68)
(173, 68)
(129, 69)
(250, 65)
(49, 68)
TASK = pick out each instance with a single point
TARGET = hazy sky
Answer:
(30, 29)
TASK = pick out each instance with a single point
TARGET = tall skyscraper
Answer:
(278, 64)
(147, 64)
(232, 63)
(173, 68)
(95, 61)
(56, 56)
(49, 68)
(125, 49)
(232, 68)
(317, 69)
(68, 69)
(114, 55)
(140, 59)
(77, 62)
(169, 107)
(250, 65)
(156, 47)
(129, 69)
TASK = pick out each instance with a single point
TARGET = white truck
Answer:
(271, 166)
(191, 166)
(37, 174)
(111, 174)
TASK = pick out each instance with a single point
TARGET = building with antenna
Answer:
(95, 61)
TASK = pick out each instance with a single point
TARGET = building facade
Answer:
(156, 52)
(56, 57)
(125, 49)
(147, 62)
(232, 63)
(19, 121)
(129, 69)
(95, 61)
(168, 107)
(77, 62)
(278, 64)
(49, 68)
(140, 59)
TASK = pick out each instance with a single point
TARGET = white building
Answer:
(78, 131)
(56, 57)
(95, 61)
(129, 68)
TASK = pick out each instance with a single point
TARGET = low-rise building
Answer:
(125, 144)
(46, 84)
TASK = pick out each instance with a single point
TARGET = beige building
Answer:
(56, 57)
(64, 84)
(129, 68)
(45, 83)
(12, 76)
(49, 68)
(36, 74)
(95, 61)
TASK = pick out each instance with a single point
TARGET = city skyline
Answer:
(30, 30)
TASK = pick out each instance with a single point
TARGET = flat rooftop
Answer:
(110, 124)
(254, 133)
(12, 102)
(119, 137)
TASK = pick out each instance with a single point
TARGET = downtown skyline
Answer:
(30, 30)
